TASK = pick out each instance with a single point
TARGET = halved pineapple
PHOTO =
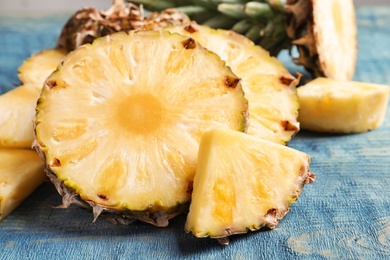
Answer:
(336, 106)
(119, 123)
(39, 66)
(21, 172)
(268, 86)
(243, 182)
(17, 108)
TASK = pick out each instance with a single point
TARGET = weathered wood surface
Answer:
(344, 214)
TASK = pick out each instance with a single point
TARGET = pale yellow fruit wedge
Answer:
(17, 108)
(243, 183)
(328, 105)
(21, 172)
(39, 66)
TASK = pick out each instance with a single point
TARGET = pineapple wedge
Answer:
(335, 106)
(39, 66)
(17, 108)
(21, 172)
(119, 122)
(268, 86)
(242, 183)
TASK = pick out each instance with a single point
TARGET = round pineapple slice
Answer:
(39, 66)
(335, 106)
(268, 86)
(119, 123)
(242, 183)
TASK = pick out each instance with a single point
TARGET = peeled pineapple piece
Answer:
(242, 183)
(17, 108)
(21, 172)
(119, 123)
(268, 86)
(39, 66)
(335, 106)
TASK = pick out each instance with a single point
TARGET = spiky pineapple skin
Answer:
(88, 23)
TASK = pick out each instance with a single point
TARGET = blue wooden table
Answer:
(344, 214)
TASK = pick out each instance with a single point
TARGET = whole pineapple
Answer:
(324, 32)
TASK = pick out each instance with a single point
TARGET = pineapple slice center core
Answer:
(140, 113)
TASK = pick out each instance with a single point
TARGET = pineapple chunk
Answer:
(39, 66)
(335, 106)
(21, 172)
(119, 122)
(17, 108)
(334, 29)
(268, 86)
(242, 183)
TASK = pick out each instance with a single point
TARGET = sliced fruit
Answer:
(324, 32)
(21, 172)
(119, 123)
(17, 108)
(268, 86)
(39, 66)
(242, 183)
(342, 106)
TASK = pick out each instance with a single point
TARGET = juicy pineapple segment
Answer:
(335, 38)
(39, 66)
(336, 106)
(17, 108)
(268, 86)
(21, 172)
(120, 121)
(242, 183)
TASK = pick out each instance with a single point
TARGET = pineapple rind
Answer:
(265, 178)
(336, 106)
(194, 101)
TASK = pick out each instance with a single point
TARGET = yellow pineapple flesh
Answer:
(17, 108)
(243, 183)
(335, 36)
(335, 106)
(21, 172)
(39, 66)
(119, 123)
(268, 86)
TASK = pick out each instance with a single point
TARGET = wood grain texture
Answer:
(345, 214)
